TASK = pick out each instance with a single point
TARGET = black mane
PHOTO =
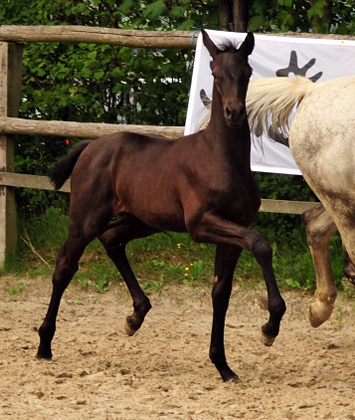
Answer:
(228, 46)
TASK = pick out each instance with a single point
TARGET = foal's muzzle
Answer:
(235, 113)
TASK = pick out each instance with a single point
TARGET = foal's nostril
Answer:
(229, 112)
(235, 112)
(241, 109)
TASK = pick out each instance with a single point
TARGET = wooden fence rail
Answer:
(83, 130)
(10, 124)
(95, 35)
(119, 37)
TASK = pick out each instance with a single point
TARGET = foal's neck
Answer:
(236, 138)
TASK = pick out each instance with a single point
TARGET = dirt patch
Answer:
(163, 372)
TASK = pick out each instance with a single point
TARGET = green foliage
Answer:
(47, 230)
(175, 254)
(281, 187)
(294, 266)
(318, 16)
(16, 291)
(101, 285)
(152, 286)
(40, 238)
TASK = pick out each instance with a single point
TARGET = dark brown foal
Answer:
(201, 184)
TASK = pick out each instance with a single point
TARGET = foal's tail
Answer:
(64, 167)
(274, 97)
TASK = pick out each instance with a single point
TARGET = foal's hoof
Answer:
(44, 354)
(319, 313)
(129, 330)
(268, 340)
(229, 376)
(234, 380)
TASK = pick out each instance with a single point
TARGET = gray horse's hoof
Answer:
(319, 312)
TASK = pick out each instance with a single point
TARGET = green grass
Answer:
(162, 259)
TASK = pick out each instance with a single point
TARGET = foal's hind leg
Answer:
(87, 222)
(117, 235)
(66, 266)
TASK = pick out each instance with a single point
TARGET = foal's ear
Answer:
(248, 45)
(212, 49)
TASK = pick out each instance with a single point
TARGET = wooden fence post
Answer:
(10, 95)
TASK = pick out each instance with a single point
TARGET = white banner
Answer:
(317, 59)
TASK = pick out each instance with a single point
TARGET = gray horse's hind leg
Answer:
(320, 227)
(348, 267)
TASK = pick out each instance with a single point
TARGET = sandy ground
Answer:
(163, 372)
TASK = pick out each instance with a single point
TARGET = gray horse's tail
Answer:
(64, 167)
(272, 99)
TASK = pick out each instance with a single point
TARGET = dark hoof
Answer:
(235, 379)
(44, 354)
(230, 376)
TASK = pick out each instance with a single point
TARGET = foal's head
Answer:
(231, 73)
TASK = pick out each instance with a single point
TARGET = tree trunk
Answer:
(225, 15)
(240, 15)
(233, 15)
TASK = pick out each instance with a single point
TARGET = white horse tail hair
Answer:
(272, 99)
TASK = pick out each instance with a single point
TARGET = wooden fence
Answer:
(10, 92)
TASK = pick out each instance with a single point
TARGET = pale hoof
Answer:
(235, 380)
(319, 312)
(129, 330)
(268, 340)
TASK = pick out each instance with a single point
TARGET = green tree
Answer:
(318, 16)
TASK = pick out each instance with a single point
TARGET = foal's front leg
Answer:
(215, 229)
(225, 262)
